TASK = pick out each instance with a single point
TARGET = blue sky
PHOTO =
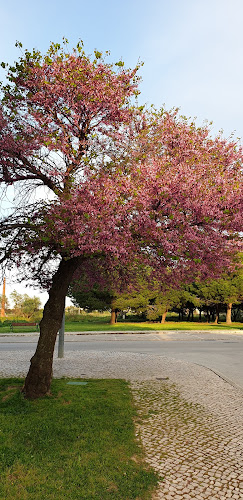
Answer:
(191, 49)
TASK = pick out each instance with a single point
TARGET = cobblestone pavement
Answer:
(198, 454)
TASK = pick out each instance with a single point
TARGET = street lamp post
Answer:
(61, 337)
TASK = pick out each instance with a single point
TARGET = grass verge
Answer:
(170, 325)
(77, 443)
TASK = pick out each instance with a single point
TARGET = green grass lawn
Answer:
(77, 443)
(105, 326)
(170, 325)
(187, 325)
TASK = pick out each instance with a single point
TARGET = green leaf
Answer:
(119, 63)
(97, 54)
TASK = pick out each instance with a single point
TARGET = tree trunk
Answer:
(38, 380)
(200, 314)
(113, 317)
(208, 316)
(216, 315)
(163, 317)
(190, 315)
(228, 314)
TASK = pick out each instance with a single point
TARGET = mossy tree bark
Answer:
(38, 380)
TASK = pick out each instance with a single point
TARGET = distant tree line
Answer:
(152, 300)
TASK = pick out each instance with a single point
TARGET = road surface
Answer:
(220, 351)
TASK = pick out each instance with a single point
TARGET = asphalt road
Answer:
(222, 352)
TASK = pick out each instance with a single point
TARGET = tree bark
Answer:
(190, 315)
(163, 317)
(113, 317)
(208, 316)
(216, 315)
(228, 314)
(38, 380)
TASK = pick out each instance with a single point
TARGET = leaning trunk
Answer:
(228, 314)
(38, 380)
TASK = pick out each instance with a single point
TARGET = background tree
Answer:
(25, 306)
(221, 294)
(31, 307)
(92, 300)
(97, 299)
(121, 183)
(17, 299)
(98, 286)
(163, 300)
(6, 302)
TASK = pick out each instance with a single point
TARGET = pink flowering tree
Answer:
(99, 177)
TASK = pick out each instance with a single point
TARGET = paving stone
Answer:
(190, 444)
